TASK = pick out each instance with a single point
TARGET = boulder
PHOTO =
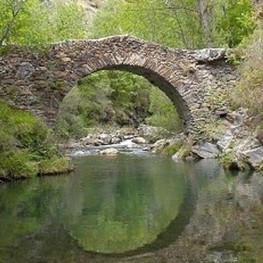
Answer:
(225, 140)
(88, 140)
(254, 157)
(116, 140)
(25, 70)
(109, 151)
(139, 140)
(152, 133)
(159, 146)
(105, 138)
(206, 151)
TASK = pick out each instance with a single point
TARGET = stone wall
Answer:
(190, 78)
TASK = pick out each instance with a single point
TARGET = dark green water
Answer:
(109, 207)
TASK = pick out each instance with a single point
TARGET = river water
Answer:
(129, 207)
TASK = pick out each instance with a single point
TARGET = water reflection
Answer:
(114, 205)
(121, 203)
(107, 205)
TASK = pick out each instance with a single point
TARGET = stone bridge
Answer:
(194, 80)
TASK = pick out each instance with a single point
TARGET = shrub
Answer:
(24, 142)
(248, 90)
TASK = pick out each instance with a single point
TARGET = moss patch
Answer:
(171, 149)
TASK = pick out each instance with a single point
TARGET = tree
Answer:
(11, 9)
(238, 21)
(36, 23)
(178, 23)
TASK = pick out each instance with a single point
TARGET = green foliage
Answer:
(104, 98)
(163, 112)
(247, 92)
(238, 21)
(18, 163)
(177, 24)
(70, 21)
(24, 141)
(36, 23)
(149, 20)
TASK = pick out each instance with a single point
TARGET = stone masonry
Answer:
(192, 79)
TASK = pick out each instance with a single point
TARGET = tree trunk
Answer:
(205, 20)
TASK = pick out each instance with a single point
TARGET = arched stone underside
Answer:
(39, 81)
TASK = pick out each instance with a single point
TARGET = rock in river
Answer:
(139, 140)
(206, 150)
(109, 151)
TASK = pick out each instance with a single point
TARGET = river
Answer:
(130, 207)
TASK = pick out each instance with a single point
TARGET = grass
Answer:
(55, 165)
(26, 146)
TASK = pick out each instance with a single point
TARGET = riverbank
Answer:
(231, 140)
(27, 147)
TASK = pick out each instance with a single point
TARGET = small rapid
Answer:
(126, 147)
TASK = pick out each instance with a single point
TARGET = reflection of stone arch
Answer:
(183, 75)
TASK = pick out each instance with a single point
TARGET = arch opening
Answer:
(149, 93)
(161, 83)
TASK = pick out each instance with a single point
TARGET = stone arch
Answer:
(42, 80)
(129, 54)
(158, 81)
